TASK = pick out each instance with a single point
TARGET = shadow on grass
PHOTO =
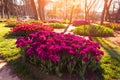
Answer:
(112, 51)
(111, 61)
(29, 72)
(23, 70)
(11, 36)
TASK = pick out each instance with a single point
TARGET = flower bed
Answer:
(57, 25)
(80, 22)
(65, 21)
(25, 29)
(3, 20)
(11, 23)
(93, 30)
(52, 21)
(115, 26)
(59, 53)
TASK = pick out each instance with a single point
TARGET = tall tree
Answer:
(3, 9)
(89, 4)
(41, 8)
(107, 15)
(118, 13)
(34, 9)
(107, 4)
(71, 17)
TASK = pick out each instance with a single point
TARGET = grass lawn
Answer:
(110, 63)
(109, 68)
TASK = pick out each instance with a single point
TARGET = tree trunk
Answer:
(85, 9)
(41, 4)
(3, 9)
(117, 15)
(34, 9)
(6, 8)
(103, 12)
(107, 15)
(71, 15)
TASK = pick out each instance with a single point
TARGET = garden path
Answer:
(6, 72)
(68, 31)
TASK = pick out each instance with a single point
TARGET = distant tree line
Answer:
(61, 9)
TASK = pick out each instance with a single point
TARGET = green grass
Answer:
(11, 54)
(57, 25)
(108, 70)
(7, 45)
(110, 63)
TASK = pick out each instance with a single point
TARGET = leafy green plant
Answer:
(93, 30)
(36, 21)
(65, 21)
(115, 26)
(57, 25)
(3, 20)
(10, 25)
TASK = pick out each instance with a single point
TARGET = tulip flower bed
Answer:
(14, 22)
(25, 29)
(60, 53)
(80, 22)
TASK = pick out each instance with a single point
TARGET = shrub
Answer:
(115, 26)
(59, 53)
(14, 22)
(80, 22)
(65, 21)
(93, 30)
(11, 23)
(25, 29)
(36, 21)
(57, 25)
(3, 20)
